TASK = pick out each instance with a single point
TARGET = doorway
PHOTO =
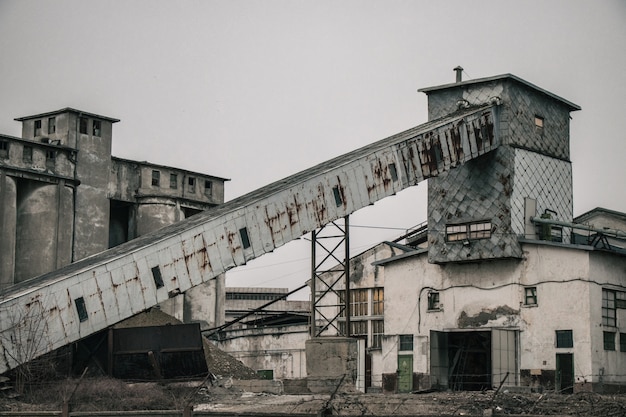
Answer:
(565, 373)
(405, 373)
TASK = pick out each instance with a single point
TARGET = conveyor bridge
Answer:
(73, 302)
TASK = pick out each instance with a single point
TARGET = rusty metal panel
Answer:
(158, 352)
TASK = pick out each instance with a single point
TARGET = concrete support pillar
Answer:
(8, 224)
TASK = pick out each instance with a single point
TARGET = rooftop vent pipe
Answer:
(459, 74)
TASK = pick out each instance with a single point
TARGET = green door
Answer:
(405, 373)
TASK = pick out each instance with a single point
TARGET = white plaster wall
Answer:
(569, 289)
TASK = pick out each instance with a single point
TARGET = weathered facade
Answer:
(63, 197)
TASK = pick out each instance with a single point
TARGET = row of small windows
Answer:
(27, 153)
(252, 296)
(83, 126)
(530, 298)
(191, 183)
(468, 231)
(359, 302)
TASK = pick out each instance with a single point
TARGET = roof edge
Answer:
(572, 106)
(68, 110)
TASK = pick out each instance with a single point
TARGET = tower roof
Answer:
(68, 110)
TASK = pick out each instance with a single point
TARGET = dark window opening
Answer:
(208, 188)
(82, 128)
(50, 157)
(37, 127)
(609, 340)
(27, 154)
(173, 181)
(267, 374)
(245, 239)
(81, 308)
(394, 172)
(433, 301)
(96, 127)
(52, 125)
(564, 339)
(530, 296)
(191, 184)
(406, 342)
(156, 178)
(4, 149)
(337, 194)
(622, 342)
(156, 275)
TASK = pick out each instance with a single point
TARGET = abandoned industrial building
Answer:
(501, 285)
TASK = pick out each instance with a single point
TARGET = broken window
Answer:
(4, 149)
(52, 125)
(27, 154)
(608, 308)
(530, 296)
(81, 309)
(378, 302)
(208, 188)
(433, 301)
(173, 181)
(96, 127)
(82, 128)
(564, 339)
(337, 195)
(468, 231)
(378, 330)
(50, 157)
(609, 340)
(156, 178)
(406, 342)
(191, 184)
(37, 127)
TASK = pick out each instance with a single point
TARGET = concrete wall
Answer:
(280, 349)
(483, 295)
(332, 364)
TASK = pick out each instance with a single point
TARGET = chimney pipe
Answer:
(459, 74)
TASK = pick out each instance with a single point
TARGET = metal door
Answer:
(405, 373)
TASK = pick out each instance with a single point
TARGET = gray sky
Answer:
(258, 90)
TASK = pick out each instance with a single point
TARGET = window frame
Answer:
(52, 125)
(609, 308)
(564, 339)
(530, 296)
(475, 230)
(378, 330)
(191, 184)
(4, 149)
(37, 128)
(622, 342)
(378, 301)
(83, 125)
(405, 343)
(208, 188)
(96, 128)
(434, 301)
(608, 340)
(156, 178)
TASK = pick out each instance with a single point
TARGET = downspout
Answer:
(80, 114)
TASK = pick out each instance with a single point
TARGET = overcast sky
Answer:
(257, 90)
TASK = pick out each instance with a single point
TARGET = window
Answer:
(96, 127)
(81, 309)
(393, 171)
(564, 339)
(378, 330)
(83, 125)
(4, 149)
(622, 342)
(208, 188)
(245, 239)
(468, 231)
(337, 195)
(530, 296)
(433, 301)
(378, 302)
(52, 125)
(358, 328)
(609, 340)
(37, 127)
(156, 276)
(156, 178)
(191, 184)
(265, 374)
(50, 156)
(608, 308)
(27, 154)
(359, 303)
(173, 181)
(538, 122)
(406, 342)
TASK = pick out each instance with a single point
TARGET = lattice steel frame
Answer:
(330, 239)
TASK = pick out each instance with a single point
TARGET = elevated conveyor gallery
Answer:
(90, 295)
